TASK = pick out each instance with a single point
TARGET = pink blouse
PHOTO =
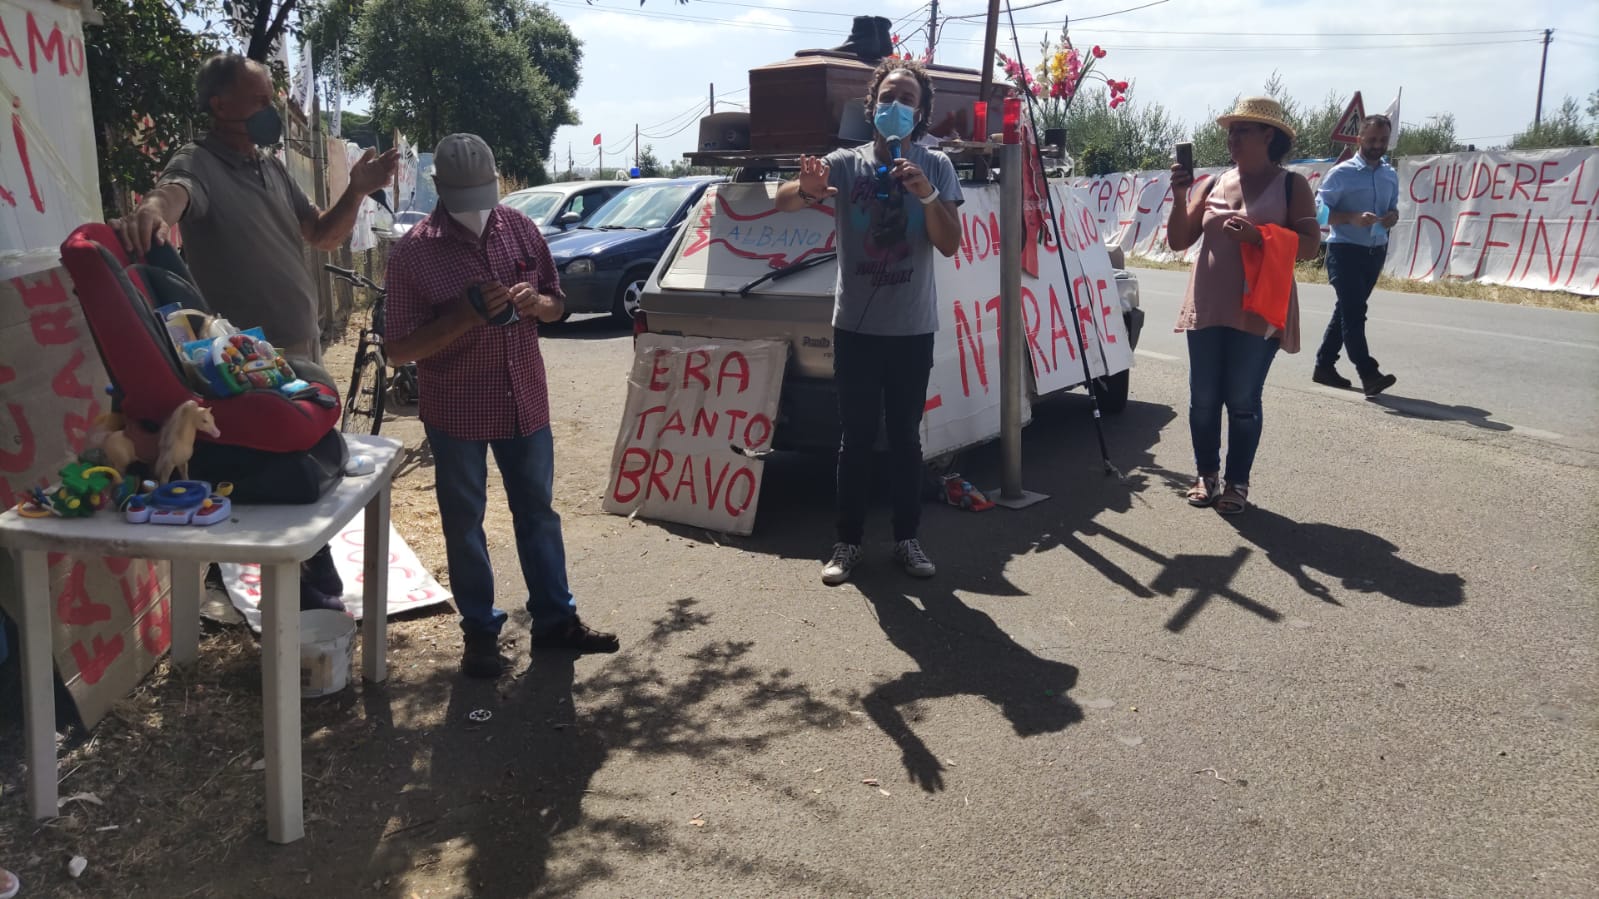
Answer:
(1215, 296)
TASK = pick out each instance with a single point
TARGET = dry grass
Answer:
(1312, 273)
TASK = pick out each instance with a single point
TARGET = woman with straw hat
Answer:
(1230, 349)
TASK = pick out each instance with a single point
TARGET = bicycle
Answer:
(370, 382)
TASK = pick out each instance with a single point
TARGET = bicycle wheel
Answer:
(363, 407)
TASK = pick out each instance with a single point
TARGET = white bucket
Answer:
(327, 651)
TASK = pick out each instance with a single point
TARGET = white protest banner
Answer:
(411, 586)
(109, 617)
(1524, 219)
(405, 191)
(1132, 207)
(694, 407)
(49, 180)
(361, 237)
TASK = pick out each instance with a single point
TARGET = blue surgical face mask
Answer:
(895, 121)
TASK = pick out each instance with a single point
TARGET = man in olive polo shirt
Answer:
(245, 221)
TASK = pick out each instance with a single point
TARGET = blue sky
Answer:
(651, 66)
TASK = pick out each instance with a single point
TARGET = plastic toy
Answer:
(961, 493)
(84, 488)
(177, 439)
(235, 363)
(185, 502)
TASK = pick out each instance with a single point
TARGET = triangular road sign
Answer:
(1347, 131)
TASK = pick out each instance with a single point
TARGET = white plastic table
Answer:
(279, 538)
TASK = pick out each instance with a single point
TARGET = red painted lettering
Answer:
(92, 663)
(8, 49)
(686, 477)
(155, 629)
(657, 371)
(758, 431)
(674, 422)
(1488, 241)
(713, 489)
(736, 367)
(74, 606)
(53, 46)
(643, 418)
(734, 416)
(1415, 250)
(705, 422)
(635, 462)
(694, 367)
(21, 138)
(657, 485)
(748, 477)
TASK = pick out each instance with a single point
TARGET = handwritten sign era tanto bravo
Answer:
(1524, 219)
(49, 183)
(689, 401)
(736, 236)
(110, 620)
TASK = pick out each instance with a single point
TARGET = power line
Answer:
(1377, 34)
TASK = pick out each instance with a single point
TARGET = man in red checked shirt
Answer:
(466, 291)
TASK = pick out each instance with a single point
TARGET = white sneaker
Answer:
(838, 568)
(913, 559)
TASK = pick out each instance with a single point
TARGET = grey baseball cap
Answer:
(464, 173)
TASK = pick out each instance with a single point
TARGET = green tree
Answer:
(1434, 137)
(353, 126)
(141, 67)
(1563, 129)
(1130, 138)
(648, 165)
(510, 78)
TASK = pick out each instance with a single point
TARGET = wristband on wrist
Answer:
(930, 198)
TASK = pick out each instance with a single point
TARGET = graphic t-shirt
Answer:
(885, 258)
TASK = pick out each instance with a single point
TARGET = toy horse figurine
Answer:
(177, 440)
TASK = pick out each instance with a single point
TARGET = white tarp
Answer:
(692, 405)
(49, 180)
(411, 586)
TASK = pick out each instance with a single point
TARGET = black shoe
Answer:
(1329, 376)
(482, 656)
(578, 637)
(312, 598)
(321, 573)
(1377, 383)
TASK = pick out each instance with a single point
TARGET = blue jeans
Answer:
(1227, 367)
(527, 468)
(1353, 271)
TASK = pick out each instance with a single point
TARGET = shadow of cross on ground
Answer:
(1361, 561)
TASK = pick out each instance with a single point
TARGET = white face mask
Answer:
(473, 221)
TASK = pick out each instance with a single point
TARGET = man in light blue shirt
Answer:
(1362, 199)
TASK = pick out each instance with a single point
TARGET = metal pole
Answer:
(986, 67)
(635, 145)
(713, 98)
(1537, 115)
(932, 30)
(1012, 375)
(1012, 234)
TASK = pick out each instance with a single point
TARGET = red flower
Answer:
(895, 38)
(1099, 52)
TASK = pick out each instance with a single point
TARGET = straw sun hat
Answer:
(1263, 110)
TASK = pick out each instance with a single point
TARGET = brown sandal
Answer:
(1203, 493)
(1233, 500)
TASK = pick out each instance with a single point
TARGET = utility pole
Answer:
(1537, 116)
(932, 30)
(635, 145)
(713, 98)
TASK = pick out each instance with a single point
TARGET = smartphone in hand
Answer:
(1184, 154)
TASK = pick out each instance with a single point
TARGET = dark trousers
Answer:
(1353, 271)
(880, 380)
(1227, 368)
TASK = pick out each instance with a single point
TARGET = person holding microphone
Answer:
(893, 203)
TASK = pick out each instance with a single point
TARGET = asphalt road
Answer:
(1383, 680)
(1492, 366)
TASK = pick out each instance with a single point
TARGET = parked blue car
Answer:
(605, 262)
